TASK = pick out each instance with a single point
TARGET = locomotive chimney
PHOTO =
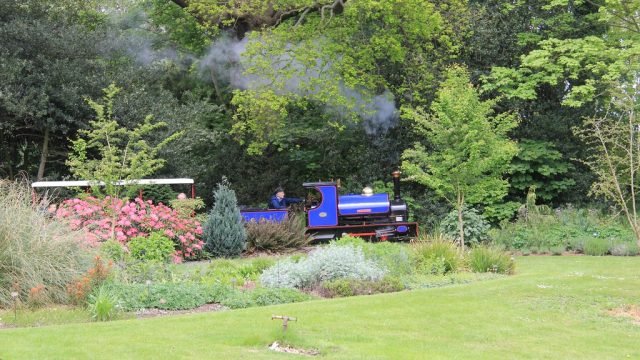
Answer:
(396, 185)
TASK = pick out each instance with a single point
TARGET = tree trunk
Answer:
(43, 155)
(460, 221)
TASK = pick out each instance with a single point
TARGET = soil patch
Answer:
(275, 346)
(148, 313)
(629, 311)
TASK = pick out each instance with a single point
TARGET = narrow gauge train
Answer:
(372, 216)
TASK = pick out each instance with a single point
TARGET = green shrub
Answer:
(224, 231)
(266, 296)
(103, 305)
(113, 250)
(277, 236)
(392, 257)
(337, 288)
(155, 247)
(36, 251)
(557, 250)
(564, 227)
(227, 272)
(353, 287)
(596, 246)
(525, 252)
(476, 228)
(436, 255)
(136, 271)
(168, 296)
(187, 207)
(486, 259)
(326, 263)
(156, 193)
(624, 249)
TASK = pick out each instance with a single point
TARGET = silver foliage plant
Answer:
(326, 263)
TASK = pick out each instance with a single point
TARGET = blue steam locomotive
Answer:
(369, 215)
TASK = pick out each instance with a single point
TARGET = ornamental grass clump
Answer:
(596, 246)
(436, 255)
(323, 264)
(486, 259)
(277, 236)
(38, 255)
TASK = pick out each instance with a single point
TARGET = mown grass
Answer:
(553, 307)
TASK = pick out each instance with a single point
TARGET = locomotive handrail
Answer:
(321, 183)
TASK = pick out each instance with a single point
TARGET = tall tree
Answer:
(467, 151)
(49, 64)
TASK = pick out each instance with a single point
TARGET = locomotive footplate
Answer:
(379, 232)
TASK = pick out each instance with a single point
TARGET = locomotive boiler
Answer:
(368, 215)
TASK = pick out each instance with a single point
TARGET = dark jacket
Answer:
(275, 203)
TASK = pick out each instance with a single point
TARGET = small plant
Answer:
(485, 259)
(102, 305)
(80, 289)
(277, 236)
(113, 250)
(155, 247)
(476, 228)
(436, 255)
(596, 246)
(37, 296)
(224, 231)
(557, 250)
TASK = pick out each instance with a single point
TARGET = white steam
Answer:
(224, 58)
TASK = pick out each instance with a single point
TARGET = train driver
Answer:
(278, 201)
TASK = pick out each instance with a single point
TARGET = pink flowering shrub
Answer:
(101, 218)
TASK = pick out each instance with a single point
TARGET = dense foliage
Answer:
(39, 256)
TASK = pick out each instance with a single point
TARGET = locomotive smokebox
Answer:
(396, 185)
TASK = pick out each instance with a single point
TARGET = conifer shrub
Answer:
(224, 231)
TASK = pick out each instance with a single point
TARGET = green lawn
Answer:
(554, 307)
